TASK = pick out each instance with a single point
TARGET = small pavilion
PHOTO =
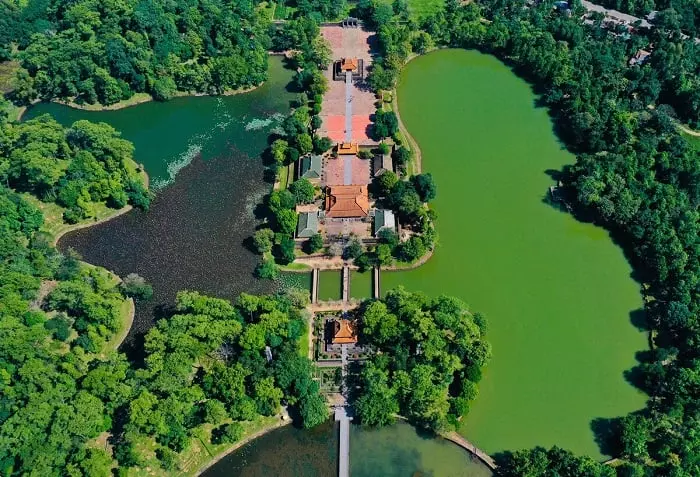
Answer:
(348, 148)
(355, 66)
(344, 332)
(382, 163)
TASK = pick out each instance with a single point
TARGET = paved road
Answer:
(592, 7)
(348, 106)
(344, 455)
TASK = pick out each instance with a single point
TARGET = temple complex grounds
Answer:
(348, 43)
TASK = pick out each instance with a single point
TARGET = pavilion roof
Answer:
(344, 332)
(349, 64)
(348, 148)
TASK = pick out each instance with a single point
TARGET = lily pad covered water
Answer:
(557, 292)
(285, 452)
(193, 236)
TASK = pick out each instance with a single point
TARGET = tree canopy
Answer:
(426, 357)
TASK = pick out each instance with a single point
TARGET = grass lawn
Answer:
(304, 341)
(137, 98)
(54, 225)
(295, 267)
(421, 8)
(198, 453)
(283, 12)
(693, 140)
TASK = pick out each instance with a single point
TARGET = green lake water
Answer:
(168, 136)
(557, 293)
(399, 451)
(395, 451)
(360, 284)
(330, 286)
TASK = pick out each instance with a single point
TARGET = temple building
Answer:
(349, 201)
(384, 220)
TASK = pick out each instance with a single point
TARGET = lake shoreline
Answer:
(144, 98)
(237, 445)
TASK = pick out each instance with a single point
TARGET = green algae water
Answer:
(330, 285)
(360, 284)
(399, 451)
(202, 155)
(557, 292)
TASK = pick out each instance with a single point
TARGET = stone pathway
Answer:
(348, 106)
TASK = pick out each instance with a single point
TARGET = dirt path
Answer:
(688, 131)
(413, 145)
(84, 225)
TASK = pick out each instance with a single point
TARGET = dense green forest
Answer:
(62, 388)
(104, 52)
(634, 174)
(96, 52)
(425, 362)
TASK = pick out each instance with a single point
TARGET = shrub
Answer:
(167, 458)
(314, 244)
(285, 250)
(267, 269)
(228, 433)
(352, 250)
(303, 191)
(262, 239)
(163, 89)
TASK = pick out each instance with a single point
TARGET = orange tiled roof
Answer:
(348, 148)
(347, 201)
(349, 64)
(344, 332)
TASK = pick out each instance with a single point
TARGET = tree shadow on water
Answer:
(606, 433)
(638, 318)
